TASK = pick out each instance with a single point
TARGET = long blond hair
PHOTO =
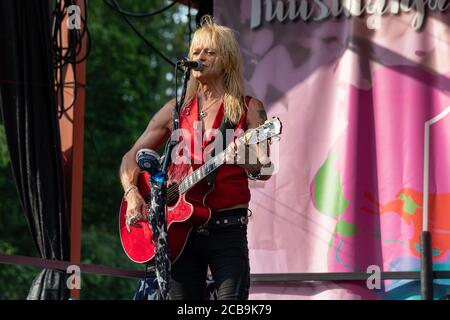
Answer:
(223, 39)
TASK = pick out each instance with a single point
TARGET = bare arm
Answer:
(256, 116)
(155, 134)
(253, 158)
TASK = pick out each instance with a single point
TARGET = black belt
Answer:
(226, 218)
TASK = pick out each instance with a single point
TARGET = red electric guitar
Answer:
(137, 243)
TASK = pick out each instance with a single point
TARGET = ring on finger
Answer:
(135, 218)
(132, 218)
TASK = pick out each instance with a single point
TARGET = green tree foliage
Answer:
(126, 84)
(15, 236)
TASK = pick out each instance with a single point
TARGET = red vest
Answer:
(231, 184)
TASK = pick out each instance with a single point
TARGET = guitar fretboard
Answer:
(209, 166)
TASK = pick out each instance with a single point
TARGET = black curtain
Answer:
(28, 107)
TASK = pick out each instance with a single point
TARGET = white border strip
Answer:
(426, 164)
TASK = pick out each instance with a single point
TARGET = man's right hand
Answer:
(137, 210)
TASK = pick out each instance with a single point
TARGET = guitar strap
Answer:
(210, 179)
(222, 131)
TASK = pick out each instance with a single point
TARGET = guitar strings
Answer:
(173, 191)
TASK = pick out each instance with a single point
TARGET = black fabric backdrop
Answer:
(28, 108)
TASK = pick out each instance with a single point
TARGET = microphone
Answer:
(191, 64)
(148, 160)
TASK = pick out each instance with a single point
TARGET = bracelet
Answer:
(130, 187)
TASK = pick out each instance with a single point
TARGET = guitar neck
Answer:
(209, 166)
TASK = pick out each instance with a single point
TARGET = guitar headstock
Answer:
(270, 129)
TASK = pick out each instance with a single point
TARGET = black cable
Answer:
(74, 36)
(70, 55)
(139, 34)
(139, 15)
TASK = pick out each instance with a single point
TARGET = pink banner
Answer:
(354, 93)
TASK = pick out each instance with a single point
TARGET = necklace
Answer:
(203, 112)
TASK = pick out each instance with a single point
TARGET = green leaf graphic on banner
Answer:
(328, 195)
(345, 229)
(409, 206)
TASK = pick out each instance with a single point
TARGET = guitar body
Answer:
(180, 218)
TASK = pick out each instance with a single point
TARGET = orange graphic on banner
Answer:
(408, 204)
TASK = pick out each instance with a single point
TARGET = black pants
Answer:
(225, 251)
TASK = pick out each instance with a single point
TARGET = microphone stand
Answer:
(157, 205)
(176, 120)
